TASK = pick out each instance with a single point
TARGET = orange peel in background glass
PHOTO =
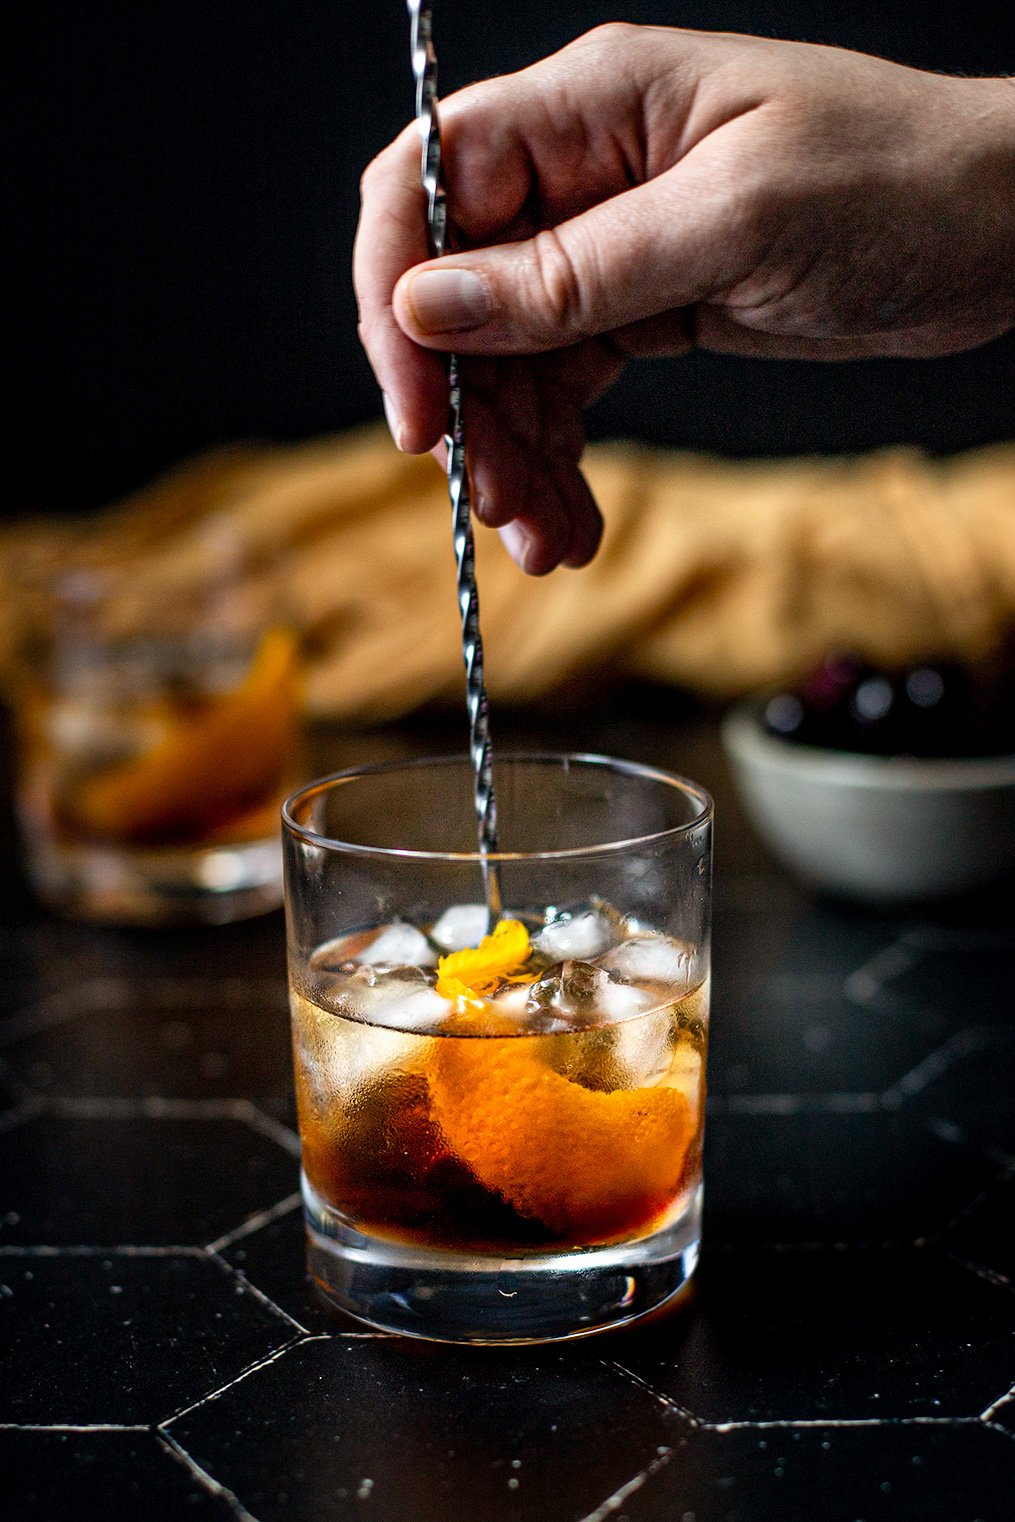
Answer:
(590, 1165)
(209, 774)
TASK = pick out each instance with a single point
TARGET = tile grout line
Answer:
(111, 1250)
(238, 1276)
(204, 1479)
(867, 982)
(947, 1131)
(255, 1222)
(63, 1005)
(614, 1502)
(258, 1364)
(156, 1107)
(74, 1427)
(283, 1136)
(995, 1406)
(25, 1110)
(990, 1275)
(979, 1199)
(665, 1401)
(817, 1423)
(147, 1107)
(963, 1043)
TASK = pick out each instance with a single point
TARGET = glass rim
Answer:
(692, 790)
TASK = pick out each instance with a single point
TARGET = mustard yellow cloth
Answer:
(714, 575)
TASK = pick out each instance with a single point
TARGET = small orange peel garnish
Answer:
(479, 969)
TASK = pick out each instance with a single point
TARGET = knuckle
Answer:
(609, 36)
(561, 302)
(373, 172)
(384, 165)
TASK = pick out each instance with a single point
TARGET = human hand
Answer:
(647, 190)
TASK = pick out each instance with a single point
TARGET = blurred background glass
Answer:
(156, 714)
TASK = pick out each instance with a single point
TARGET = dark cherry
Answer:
(932, 708)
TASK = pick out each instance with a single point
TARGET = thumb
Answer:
(671, 242)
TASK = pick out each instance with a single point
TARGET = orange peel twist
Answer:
(589, 1165)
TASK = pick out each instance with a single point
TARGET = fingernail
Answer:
(517, 540)
(393, 420)
(448, 301)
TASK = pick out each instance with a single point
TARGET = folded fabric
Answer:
(715, 575)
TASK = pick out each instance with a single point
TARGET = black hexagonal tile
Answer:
(816, 1177)
(273, 1258)
(142, 1180)
(178, 1038)
(796, 1036)
(963, 980)
(818, 1334)
(341, 1421)
(985, 1233)
(115, 1476)
(948, 1473)
(12, 1092)
(123, 1338)
(38, 964)
(976, 1090)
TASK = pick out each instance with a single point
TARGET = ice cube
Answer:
(568, 988)
(460, 926)
(400, 998)
(511, 999)
(579, 936)
(685, 1072)
(642, 1049)
(336, 1060)
(420, 1010)
(618, 1002)
(339, 954)
(651, 958)
(399, 945)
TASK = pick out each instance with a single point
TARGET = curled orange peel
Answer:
(589, 1165)
(479, 969)
(218, 762)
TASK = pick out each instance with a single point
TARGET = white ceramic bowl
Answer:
(877, 829)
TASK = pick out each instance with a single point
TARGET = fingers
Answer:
(524, 440)
(391, 237)
(507, 145)
(678, 240)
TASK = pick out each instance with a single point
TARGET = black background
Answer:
(182, 196)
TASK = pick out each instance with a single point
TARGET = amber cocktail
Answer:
(501, 1127)
(157, 737)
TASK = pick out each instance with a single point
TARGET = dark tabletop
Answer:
(848, 1355)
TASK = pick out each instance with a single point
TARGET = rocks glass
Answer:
(501, 1131)
(157, 717)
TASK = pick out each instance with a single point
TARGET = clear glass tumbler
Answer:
(501, 1132)
(157, 721)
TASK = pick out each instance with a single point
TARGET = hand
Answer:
(647, 190)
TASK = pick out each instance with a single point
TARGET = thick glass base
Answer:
(179, 885)
(536, 1297)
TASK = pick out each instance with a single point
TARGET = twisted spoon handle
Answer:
(424, 67)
